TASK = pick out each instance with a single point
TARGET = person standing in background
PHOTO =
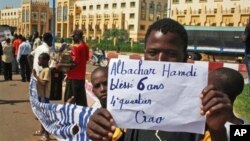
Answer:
(36, 41)
(77, 68)
(16, 43)
(43, 48)
(1, 53)
(7, 59)
(22, 58)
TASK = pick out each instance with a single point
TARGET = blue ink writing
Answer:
(118, 68)
(141, 86)
(141, 117)
(167, 71)
(122, 101)
(117, 84)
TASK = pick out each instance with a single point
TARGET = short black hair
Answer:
(8, 40)
(168, 25)
(45, 56)
(229, 80)
(101, 69)
(47, 36)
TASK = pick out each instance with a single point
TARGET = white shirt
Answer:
(24, 49)
(43, 48)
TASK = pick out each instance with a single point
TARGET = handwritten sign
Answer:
(156, 95)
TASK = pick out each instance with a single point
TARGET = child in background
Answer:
(231, 82)
(99, 80)
(43, 87)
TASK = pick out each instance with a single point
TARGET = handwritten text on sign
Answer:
(156, 95)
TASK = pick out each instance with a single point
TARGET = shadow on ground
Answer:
(12, 102)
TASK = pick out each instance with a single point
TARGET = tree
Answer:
(117, 35)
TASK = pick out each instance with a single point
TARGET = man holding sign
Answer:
(166, 40)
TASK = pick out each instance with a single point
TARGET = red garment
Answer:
(16, 43)
(80, 56)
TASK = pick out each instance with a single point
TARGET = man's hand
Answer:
(34, 73)
(216, 106)
(101, 126)
(71, 100)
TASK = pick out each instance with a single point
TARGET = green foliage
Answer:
(242, 104)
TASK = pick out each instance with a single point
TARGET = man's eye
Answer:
(152, 53)
(105, 83)
(96, 85)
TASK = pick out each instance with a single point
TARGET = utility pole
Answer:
(169, 9)
(53, 23)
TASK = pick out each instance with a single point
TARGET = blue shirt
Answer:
(24, 49)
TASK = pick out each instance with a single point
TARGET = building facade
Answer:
(211, 12)
(32, 16)
(96, 16)
(64, 17)
(10, 16)
(36, 16)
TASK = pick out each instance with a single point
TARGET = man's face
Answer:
(164, 47)
(49, 42)
(75, 37)
(40, 61)
(99, 82)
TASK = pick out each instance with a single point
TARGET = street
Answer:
(17, 121)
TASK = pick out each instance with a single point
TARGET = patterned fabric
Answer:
(59, 119)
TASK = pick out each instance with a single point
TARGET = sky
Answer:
(13, 3)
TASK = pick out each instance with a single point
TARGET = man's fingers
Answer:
(212, 104)
(93, 136)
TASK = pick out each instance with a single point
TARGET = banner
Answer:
(60, 119)
(156, 95)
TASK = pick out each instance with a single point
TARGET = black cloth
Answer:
(1, 53)
(247, 38)
(7, 71)
(76, 88)
(25, 68)
(150, 135)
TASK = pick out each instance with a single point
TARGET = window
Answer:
(199, 11)
(65, 13)
(131, 15)
(142, 27)
(185, 11)
(114, 6)
(84, 7)
(203, 0)
(59, 13)
(91, 7)
(143, 10)
(158, 8)
(232, 10)
(132, 4)
(123, 5)
(98, 6)
(165, 12)
(131, 27)
(151, 11)
(215, 11)
(106, 6)
(188, 1)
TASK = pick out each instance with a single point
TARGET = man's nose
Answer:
(103, 87)
(162, 57)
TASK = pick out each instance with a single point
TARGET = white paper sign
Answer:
(156, 95)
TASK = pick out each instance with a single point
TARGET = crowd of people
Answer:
(15, 52)
(165, 40)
